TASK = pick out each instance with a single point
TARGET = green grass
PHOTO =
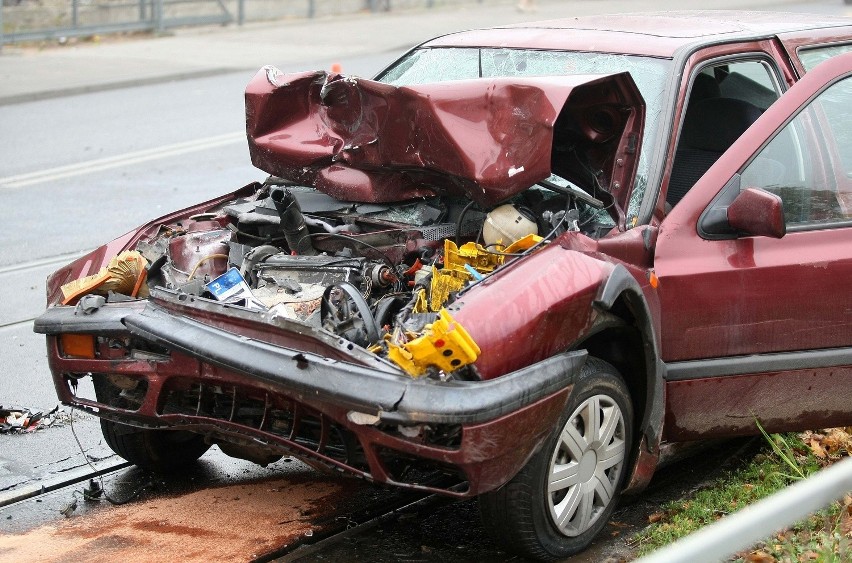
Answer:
(784, 459)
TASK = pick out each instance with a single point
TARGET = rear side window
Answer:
(812, 56)
(808, 163)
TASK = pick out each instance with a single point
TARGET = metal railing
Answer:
(721, 540)
(85, 18)
(27, 20)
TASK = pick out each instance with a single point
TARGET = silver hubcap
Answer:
(586, 465)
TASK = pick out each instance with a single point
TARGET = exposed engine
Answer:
(378, 275)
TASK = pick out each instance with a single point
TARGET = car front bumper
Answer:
(208, 349)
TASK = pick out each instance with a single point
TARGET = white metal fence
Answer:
(728, 536)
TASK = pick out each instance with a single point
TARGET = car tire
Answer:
(161, 451)
(525, 517)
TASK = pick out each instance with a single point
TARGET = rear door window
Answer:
(812, 56)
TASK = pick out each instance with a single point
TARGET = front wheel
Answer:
(161, 451)
(564, 495)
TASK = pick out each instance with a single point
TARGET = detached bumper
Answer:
(219, 347)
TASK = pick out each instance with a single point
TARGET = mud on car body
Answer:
(482, 264)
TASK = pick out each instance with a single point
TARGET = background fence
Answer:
(36, 20)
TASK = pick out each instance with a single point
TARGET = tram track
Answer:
(67, 479)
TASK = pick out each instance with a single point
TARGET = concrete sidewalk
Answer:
(28, 74)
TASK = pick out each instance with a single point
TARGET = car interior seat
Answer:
(710, 126)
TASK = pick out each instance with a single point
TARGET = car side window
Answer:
(812, 56)
(808, 163)
(725, 98)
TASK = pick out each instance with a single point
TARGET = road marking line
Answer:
(33, 264)
(121, 160)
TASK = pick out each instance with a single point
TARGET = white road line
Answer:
(53, 260)
(126, 159)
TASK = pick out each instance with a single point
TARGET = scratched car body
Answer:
(529, 257)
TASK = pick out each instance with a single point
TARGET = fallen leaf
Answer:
(846, 522)
(817, 449)
(837, 440)
(759, 557)
(655, 517)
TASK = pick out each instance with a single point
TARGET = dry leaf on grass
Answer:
(759, 557)
(829, 442)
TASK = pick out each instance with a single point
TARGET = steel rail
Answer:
(722, 539)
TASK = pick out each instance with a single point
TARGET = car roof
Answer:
(659, 34)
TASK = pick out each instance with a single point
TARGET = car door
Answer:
(756, 328)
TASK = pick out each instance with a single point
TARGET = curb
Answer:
(107, 86)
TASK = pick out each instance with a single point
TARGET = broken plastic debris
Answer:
(69, 508)
(124, 274)
(445, 344)
(362, 418)
(25, 420)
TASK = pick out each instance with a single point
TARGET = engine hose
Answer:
(292, 222)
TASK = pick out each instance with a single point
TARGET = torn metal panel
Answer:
(487, 139)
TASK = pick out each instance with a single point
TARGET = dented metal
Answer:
(486, 139)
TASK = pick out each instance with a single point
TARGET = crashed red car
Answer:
(530, 257)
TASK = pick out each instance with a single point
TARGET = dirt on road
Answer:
(229, 523)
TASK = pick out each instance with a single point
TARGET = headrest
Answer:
(714, 124)
(705, 86)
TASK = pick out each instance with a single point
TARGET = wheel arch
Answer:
(624, 335)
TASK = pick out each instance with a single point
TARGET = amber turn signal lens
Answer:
(655, 281)
(78, 345)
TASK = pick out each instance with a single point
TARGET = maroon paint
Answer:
(654, 35)
(719, 300)
(758, 212)
(485, 456)
(360, 140)
(727, 406)
(526, 314)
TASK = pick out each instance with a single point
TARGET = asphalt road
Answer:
(80, 170)
(97, 166)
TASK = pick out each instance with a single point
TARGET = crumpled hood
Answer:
(487, 139)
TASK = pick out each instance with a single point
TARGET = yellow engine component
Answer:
(443, 283)
(471, 254)
(445, 344)
(461, 264)
(522, 244)
(455, 274)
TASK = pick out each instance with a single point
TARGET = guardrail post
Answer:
(142, 11)
(74, 6)
(312, 8)
(1, 26)
(241, 12)
(159, 24)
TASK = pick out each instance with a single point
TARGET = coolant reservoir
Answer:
(506, 224)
